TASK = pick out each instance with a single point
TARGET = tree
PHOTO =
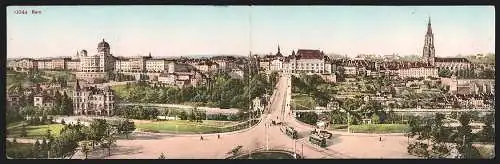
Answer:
(67, 104)
(310, 118)
(24, 133)
(375, 118)
(444, 72)
(48, 135)
(44, 119)
(36, 148)
(488, 132)
(44, 146)
(50, 120)
(183, 115)
(162, 156)
(464, 138)
(421, 129)
(97, 130)
(108, 141)
(65, 145)
(126, 127)
(192, 116)
(439, 136)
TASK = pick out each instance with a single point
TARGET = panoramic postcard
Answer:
(250, 82)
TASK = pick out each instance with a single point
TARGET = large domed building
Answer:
(103, 46)
(94, 68)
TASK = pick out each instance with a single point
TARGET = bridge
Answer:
(414, 110)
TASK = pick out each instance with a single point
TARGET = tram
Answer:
(317, 140)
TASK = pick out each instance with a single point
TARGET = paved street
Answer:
(150, 145)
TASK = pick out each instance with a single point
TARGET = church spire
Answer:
(278, 54)
(429, 53)
(429, 27)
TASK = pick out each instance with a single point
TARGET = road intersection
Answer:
(260, 136)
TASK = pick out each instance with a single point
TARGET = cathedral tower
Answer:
(429, 53)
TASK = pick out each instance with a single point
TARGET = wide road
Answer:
(150, 146)
(352, 145)
(260, 136)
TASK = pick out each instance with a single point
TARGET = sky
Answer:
(239, 30)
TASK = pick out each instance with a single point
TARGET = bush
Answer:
(310, 118)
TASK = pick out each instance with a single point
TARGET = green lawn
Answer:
(34, 132)
(120, 90)
(15, 124)
(338, 127)
(18, 150)
(184, 126)
(379, 128)
(303, 100)
(64, 74)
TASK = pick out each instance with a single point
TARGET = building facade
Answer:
(156, 65)
(97, 66)
(429, 55)
(93, 100)
(418, 72)
(307, 61)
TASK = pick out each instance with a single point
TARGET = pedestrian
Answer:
(380, 138)
(218, 136)
(201, 138)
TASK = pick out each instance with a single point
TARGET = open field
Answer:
(34, 132)
(304, 101)
(184, 126)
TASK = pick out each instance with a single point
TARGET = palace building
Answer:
(96, 67)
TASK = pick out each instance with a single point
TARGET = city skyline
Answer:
(236, 30)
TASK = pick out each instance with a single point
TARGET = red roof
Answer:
(309, 54)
